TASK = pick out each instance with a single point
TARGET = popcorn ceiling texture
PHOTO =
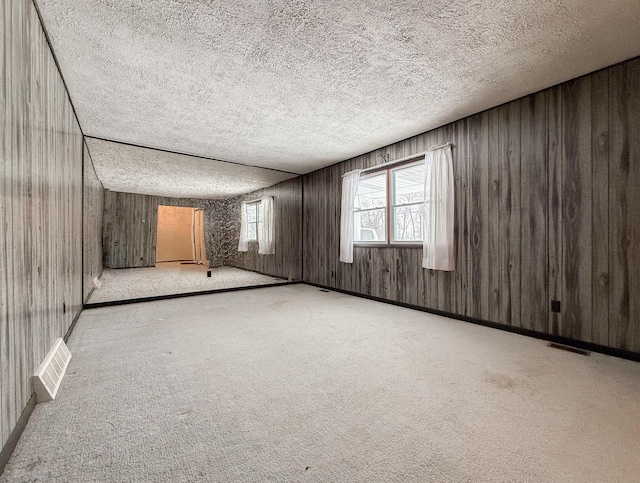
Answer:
(298, 85)
(132, 169)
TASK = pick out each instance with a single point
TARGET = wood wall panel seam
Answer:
(41, 220)
(543, 196)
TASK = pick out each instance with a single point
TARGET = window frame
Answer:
(385, 208)
(390, 242)
(256, 223)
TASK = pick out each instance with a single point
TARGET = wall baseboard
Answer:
(73, 324)
(14, 437)
(263, 273)
(588, 346)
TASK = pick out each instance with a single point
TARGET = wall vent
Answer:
(48, 377)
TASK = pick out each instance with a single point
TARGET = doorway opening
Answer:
(180, 235)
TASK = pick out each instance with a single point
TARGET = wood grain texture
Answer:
(533, 231)
(130, 224)
(494, 216)
(624, 205)
(555, 207)
(460, 152)
(546, 194)
(510, 212)
(576, 209)
(41, 210)
(287, 260)
(130, 228)
(600, 207)
(92, 210)
(478, 240)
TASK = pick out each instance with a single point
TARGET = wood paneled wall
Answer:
(130, 224)
(92, 209)
(287, 260)
(41, 211)
(547, 203)
(130, 227)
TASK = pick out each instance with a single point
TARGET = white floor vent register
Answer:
(48, 377)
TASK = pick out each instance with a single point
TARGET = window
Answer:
(254, 221)
(397, 195)
(408, 202)
(370, 209)
(257, 225)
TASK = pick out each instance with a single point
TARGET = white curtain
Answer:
(266, 240)
(243, 244)
(349, 189)
(438, 246)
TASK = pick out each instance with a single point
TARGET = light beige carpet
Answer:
(290, 384)
(172, 278)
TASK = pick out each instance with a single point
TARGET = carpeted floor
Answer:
(293, 384)
(172, 278)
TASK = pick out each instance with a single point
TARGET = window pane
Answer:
(252, 212)
(372, 192)
(251, 231)
(407, 223)
(409, 184)
(370, 225)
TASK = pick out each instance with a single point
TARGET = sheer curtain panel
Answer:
(243, 244)
(266, 240)
(349, 189)
(438, 246)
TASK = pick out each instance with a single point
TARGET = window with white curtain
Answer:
(370, 210)
(389, 205)
(409, 203)
(254, 223)
(266, 227)
(257, 225)
(438, 251)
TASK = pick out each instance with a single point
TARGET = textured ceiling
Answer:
(297, 85)
(133, 169)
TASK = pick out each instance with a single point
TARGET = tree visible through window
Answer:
(396, 194)
(408, 202)
(370, 209)
(254, 220)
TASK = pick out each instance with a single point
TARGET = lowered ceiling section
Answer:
(132, 169)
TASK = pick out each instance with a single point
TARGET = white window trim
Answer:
(389, 207)
(253, 239)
